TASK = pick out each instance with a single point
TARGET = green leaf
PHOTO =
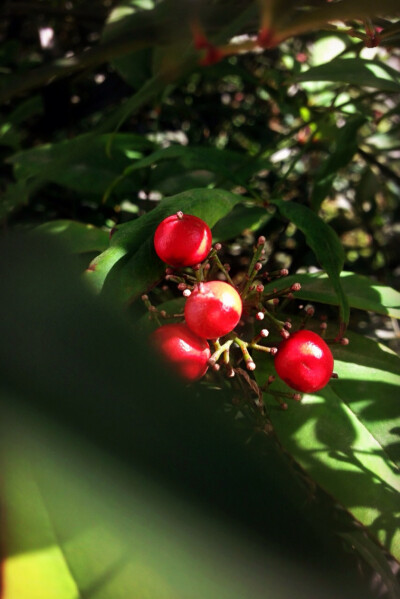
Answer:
(70, 534)
(230, 166)
(362, 293)
(16, 195)
(130, 265)
(134, 67)
(242, 217)
(369, 382)
(355, 71)
(346, 435)
(325, 244)
(345, 146)
(81, 164)
(375, 558)
(77, 237)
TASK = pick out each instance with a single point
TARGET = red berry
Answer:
(213, 309)
(187, 353)
(304, 361)
(182, 240)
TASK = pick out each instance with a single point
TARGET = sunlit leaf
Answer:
(346, 437)
(362, 292)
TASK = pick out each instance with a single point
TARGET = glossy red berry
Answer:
(304, 361)
(213, 309)
(182, 349)
(182, 240)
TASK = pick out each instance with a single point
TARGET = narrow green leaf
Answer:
(134, 67)
(323, 241)
(232, 166)
(77, 237)
(343, 435)
(362, 293)
(369, 382)
(16, 195)
(241, 218)
(345, 147)
(375, 558)
(355, 71)
(82, 163)
(131, 256)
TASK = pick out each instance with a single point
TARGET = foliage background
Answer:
(102, 126)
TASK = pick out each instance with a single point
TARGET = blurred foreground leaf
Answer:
(116, 481)
(77, 237)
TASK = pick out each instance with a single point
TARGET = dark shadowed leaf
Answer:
(344, 149)
(323, 241)
(82, 163)
(77, 237)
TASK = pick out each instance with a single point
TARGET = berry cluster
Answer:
(214, 308)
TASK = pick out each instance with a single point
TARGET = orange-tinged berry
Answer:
(213, 309)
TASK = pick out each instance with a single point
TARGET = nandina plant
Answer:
(304, 361)
(278, 140)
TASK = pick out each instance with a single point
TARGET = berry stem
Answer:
(214, 256)
(219, 350)
(254, 268)
(152, 309)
